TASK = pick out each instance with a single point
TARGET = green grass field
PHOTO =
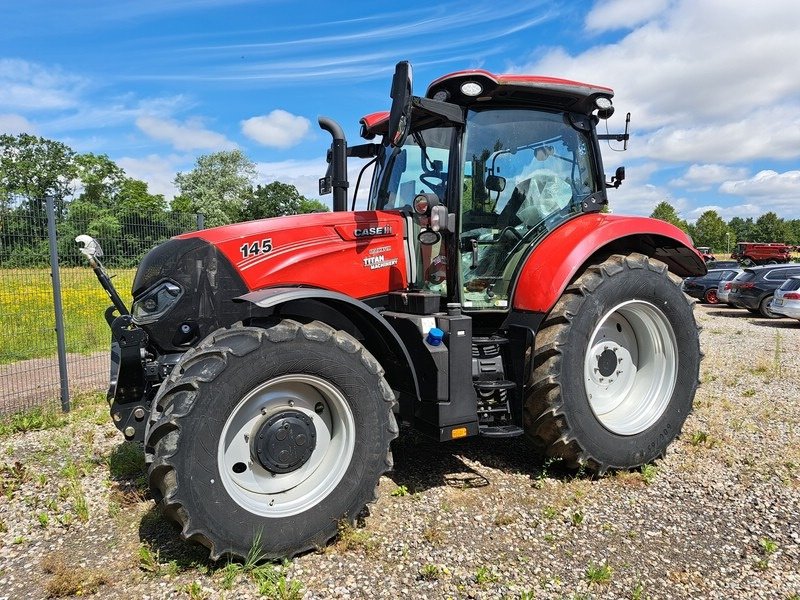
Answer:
(27, 318)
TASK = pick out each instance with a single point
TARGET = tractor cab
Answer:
(483, 167)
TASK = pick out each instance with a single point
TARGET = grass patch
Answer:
(351, 538)
(71, 580)
(598, 573)
(36, 419)
(86, 407)
(26, 311)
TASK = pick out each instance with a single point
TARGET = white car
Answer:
(786, 300)
(724, 288)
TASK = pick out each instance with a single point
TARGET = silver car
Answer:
(724, 288)
(786, 300)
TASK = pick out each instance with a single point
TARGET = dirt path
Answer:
(36, 382)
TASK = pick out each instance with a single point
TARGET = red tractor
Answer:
(266, 365)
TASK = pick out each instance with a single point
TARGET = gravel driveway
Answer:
(718, 517)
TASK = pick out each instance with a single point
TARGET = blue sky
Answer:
(713, 85)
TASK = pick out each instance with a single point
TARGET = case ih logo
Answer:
(373, 231)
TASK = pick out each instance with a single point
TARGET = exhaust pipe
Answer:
(336, 178)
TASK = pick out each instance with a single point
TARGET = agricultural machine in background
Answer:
(266, 365)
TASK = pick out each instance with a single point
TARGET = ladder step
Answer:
(489, 341)
(491, 385)
(501, 431)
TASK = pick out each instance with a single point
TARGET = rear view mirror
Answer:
(495, 183)
(400, 114)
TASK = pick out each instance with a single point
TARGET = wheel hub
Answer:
(285, 441)
(607, 362)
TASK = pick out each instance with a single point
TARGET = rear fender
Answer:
(346, 313)
(564, 253)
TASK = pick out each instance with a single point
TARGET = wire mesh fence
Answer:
(29, 366)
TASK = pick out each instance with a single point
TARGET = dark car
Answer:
(722, 264)
(705, 286)
(754, 287)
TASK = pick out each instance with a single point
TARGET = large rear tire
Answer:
(265, 439)
(616, 367)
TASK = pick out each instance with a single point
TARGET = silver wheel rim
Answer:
(631, 367)
(277, 495)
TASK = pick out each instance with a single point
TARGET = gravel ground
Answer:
(718, 517)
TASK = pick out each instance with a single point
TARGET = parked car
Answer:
(723, 264)
(754, 287)
(705, 286)
(787, 299)
(724, 289)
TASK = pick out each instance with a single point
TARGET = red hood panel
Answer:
(360, 254)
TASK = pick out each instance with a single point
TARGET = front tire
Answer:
(711, 297)
(616, 367)
(264, 439)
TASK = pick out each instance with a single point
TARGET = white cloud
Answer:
(278, 129)
(16, 124)
(189, 135)
(617, 14)
(699, 64)
(28, 86)
(770, 133)
(766, 184)
(703, 177)
(157, 170)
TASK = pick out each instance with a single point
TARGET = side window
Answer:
(715, 276)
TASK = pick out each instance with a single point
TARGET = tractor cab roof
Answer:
(476, 86)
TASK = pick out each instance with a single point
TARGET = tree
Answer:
(309, 205)
(710, 230)
(32, 168)
(666, 212)
(742, 230)
(219, 186)
(134, 199)
(101, 179)
(277, 199)
(770, 228)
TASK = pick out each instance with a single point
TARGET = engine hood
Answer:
(360, 254)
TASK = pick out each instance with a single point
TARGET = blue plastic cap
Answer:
(435, 336)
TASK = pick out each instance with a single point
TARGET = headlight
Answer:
(155, 303)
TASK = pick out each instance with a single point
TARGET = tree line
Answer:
(94, 195)
(713, 231)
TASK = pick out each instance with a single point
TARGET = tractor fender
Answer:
(563, 253)
(351, 315)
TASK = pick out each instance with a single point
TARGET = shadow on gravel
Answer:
(730, 312)
(421, 464)
(163, 537)
(777, 323)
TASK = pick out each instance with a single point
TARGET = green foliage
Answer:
(598, 573)
(32, 168)
(35, 419)
(770, 228)
(710, 230)
(277, 199)
(400, 490)
(666, 212)
(485, 575)
(219, 186)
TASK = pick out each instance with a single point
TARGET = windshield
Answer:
(525, 172)
(419, 166)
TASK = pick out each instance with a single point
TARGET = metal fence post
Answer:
(59, 309)
(201, 221)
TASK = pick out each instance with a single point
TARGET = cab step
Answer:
(501, 431)
(493, 385)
